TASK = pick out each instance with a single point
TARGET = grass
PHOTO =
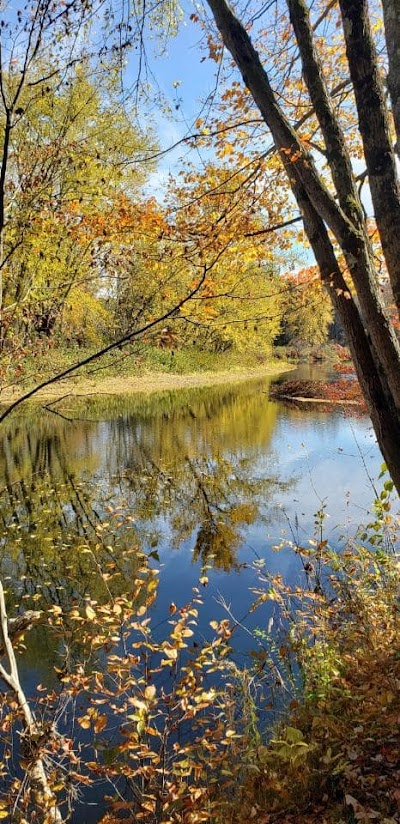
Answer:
(135, 369)
(139, 360)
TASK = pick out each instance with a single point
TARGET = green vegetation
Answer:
(140, 360)
(89, 259)
(140, 369)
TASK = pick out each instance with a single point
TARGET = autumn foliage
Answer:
(173, 730)
(344, 391)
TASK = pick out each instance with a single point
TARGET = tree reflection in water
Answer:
(172, 467)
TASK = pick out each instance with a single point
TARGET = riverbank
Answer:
(144, 382)
(141, 369)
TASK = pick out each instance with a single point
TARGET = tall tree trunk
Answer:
(336, 151)
(391, 15)
(374, 129)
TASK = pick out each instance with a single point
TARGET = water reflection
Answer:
(182, 465)
(221, 472)
(215, 476)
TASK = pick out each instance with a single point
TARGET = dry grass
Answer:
(146, 383)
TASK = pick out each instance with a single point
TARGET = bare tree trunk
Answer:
(391, 16)
(374, 129)
(336, 151)
(383, 414)
(301, 169)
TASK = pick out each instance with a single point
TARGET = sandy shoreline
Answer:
(147, 383)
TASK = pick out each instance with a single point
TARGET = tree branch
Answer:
(112, 346)
(43, 799)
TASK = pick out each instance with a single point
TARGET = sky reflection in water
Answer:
(220, 475)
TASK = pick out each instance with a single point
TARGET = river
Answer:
(215, 477)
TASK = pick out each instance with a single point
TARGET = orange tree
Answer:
(214, 215)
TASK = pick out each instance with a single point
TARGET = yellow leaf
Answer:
(152, 731)
(56, 610)
(150, 692)
(140, 705)
(90, 613)
(141, 611)
(149, 806)
(171, 653)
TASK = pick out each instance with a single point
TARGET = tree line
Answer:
(87, 256)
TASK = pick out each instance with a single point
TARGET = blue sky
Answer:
(184, 82)
(185, 77)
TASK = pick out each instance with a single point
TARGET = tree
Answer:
(239, 306)
(70, 156)
(333, 215)
(307, 310)
(58, 189)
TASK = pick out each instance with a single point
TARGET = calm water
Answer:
(216, 476)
